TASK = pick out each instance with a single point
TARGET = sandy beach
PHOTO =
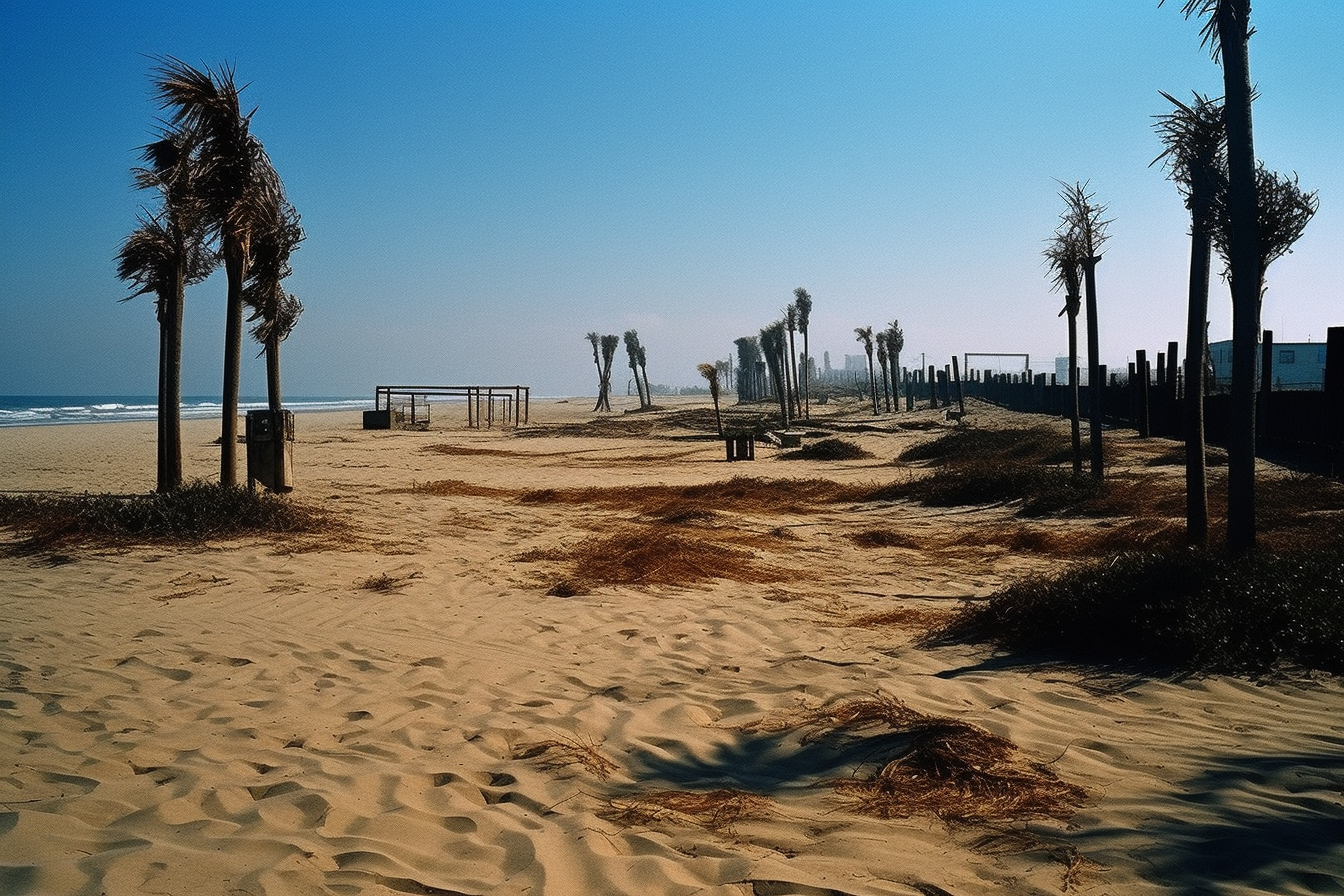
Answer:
(440, 700)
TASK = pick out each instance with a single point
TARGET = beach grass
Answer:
(198, 512)
(1184, 609)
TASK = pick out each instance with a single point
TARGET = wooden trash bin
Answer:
(268, 464)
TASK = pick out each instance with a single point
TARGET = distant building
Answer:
(1297, 365)
(856, 362)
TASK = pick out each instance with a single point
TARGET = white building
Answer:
(1296, 365)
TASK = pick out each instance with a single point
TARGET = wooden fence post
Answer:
(1141, 365)
(1262, 413)
(1334, 398)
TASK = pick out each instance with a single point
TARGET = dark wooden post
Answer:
(1141, 365)
(961, 396)
(1173, 365)
(933, 388)
(1334, 398)
(1266, 385)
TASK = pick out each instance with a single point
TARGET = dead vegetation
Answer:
(714, 810)
(565, 752)
(950, 769)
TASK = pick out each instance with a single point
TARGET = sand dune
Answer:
(408, 711)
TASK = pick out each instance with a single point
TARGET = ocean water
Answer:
(46, 410)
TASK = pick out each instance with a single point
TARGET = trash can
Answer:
(270, 463)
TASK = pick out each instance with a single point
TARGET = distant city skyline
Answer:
(484, 183)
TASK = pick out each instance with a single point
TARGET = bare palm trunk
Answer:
(1074, 426)
(1244, 262)
(1196, 477)
(797, 400)
(235, 265)
(1094, 386)
(807, 381)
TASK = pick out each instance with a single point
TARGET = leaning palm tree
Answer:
(164, 255)
(865, 335)
(748, 356)
(1083, 217)
(1064, 256)
(802, 300)
(1226, 33)
(1196, 158)
(236, 183)
(711, 375)
(274, 311)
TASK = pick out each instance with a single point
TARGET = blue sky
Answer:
(482, 183)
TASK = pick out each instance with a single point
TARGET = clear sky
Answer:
(482, 183)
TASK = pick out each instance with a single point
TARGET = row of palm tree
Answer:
(638, 359)
(604, 350)
(221, 200)
(889, 343)
(1250, 215)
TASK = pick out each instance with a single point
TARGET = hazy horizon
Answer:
(482, 183)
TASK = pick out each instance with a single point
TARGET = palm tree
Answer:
(748, 355)
(773, 346)
(1083, 217)
(237, 183)
(610, 343)
(881, 338)
(711, 375)
(895, 344)
(865, 335)
(790, 325)
(632, 352)
(1064, 256)
(802, 300)
(1196, 158)
(596, 340)
(1226, 33)
(165, 254)
(274, 311)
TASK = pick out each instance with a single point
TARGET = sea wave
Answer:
(45, 410)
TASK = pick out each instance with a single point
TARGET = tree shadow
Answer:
(768, 762)
(1273, 823)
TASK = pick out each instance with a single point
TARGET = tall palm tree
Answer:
(1083, 217)
(895, 345)
(881, 337)
(1064, 256)
(165, 254)
(274, 311)
(1196, 158)
(237, 183)
(711, 375)
(802, 300)
(790, 326)
(596, 340)
(865, 335)
(1226, 32)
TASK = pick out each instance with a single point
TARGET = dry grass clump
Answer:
(555, 754)
(466, 451)
(886, 538)
(1175, 456)
(1075, 540)
(649, 422)
(741, 495)
(950, 769)
(386, 583)
(654, 555)
(715, 810)
(827, 449)
(921, 618)
(195, 513)
(968, 444)
(455, 488)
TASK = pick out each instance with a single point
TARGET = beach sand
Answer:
(405, 709)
